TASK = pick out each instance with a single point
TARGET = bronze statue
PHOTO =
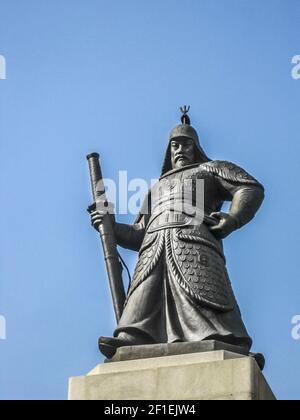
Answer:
(180, 290)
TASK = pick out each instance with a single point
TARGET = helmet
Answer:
(184, 130)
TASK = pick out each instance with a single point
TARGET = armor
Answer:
(195, 257)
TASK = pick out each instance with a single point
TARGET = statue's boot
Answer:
(109, 345)
(260, 359)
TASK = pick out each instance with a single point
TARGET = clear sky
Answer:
(109, 76)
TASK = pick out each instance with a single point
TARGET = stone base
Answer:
(217, 375)
(171, 349)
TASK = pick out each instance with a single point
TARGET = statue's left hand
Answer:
(226, 225)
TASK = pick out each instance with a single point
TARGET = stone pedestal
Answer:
(212, 375)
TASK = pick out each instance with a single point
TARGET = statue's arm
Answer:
(130, 236)
(245, 193)
(245, 203)
(127, 236)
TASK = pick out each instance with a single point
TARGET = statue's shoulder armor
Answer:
(230, 172)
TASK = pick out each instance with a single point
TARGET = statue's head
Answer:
(184, 146)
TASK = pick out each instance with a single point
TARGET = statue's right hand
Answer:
(98, 212)
(97, 217)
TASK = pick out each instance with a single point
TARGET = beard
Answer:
(181, 162)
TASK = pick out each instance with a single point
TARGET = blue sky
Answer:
(85, 76)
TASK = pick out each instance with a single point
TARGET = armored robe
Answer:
(180, 290)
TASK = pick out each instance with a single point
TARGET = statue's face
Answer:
(182, 152)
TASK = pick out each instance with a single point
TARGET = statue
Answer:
(180, 290)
